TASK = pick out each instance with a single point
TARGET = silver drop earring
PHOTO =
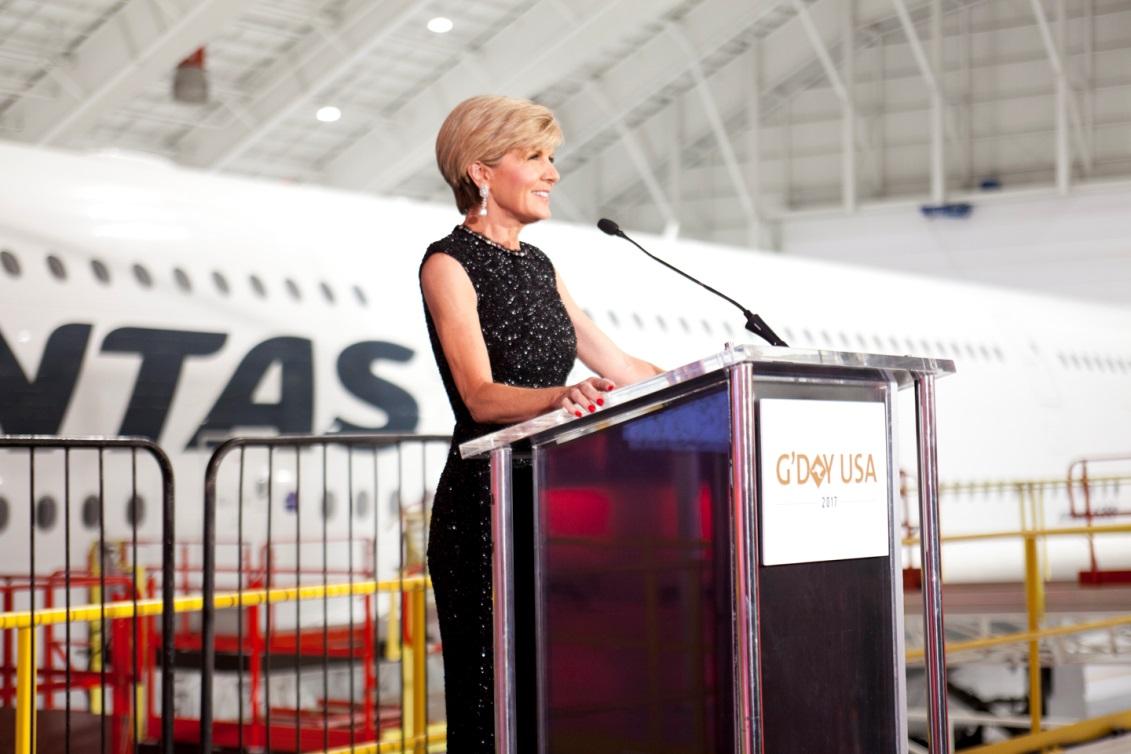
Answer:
(484, 192)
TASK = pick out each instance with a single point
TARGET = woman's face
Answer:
(521, 184)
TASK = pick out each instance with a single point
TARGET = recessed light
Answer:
(328, 114)
(440, 25)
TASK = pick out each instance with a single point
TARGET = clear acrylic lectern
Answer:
(711, 562)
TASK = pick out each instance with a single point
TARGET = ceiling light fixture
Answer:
(440, 25)
(328, 114)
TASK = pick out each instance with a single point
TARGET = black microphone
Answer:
(754, 323)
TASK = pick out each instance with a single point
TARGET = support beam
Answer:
(675, 167)
(1063, 157)
(639, 161)
(938, 108)
(711, 110)
(522, 59)
(967, 58)
(754, 145)
(1066, 100)
(822, 50)
(1090, 85)
(847, 101)
(848, 110)
(934, 87)
(319, 61)
(141, 42)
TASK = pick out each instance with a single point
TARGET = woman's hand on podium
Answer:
(586, 396)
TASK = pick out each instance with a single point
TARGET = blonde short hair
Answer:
(483, 129)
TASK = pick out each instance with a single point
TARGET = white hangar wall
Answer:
(1078, 245)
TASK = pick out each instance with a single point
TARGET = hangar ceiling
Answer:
(711, 118)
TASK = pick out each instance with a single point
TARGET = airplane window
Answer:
(361, 504)
(257, 286)
(143, 277)
(807, 335)
(1087, 361)
(879, 342)
(100, 270)
(4, 513)
(613, 318)
(826, 337)
(46, 513)
(970, 351)
(135, 511)
(58, 271)
(911, 348)
(999, 353)
(844, 339)
(220, 282)
(1111, 364)
(360, 296)
(182, 279)
(1075, 360)
(940, 349)
(639, 322)
(588, 313)
(90, 512)
(327, 293)
(985, 351)
(788, 333)
(10, 263)
(894, 343)
(329, 505)
(1063, 361)
(292, 289)
(707, 327)
(726, 326)
(685, 324)
(861, 340)
(662, 323)
(954, 349)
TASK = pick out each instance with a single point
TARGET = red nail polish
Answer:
(600, 401)
(592, 409)
(578, 414)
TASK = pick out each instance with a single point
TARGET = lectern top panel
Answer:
(900, 369)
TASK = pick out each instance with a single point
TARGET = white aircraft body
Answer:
(272, 308)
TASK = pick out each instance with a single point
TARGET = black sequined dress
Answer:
(531, 343)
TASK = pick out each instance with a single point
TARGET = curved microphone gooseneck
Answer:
(754, 323)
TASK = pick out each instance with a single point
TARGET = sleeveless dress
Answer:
(531, 342)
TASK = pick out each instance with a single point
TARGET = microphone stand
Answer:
(754, 323)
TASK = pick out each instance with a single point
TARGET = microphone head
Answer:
(608, 226)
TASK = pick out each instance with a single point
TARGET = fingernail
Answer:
(578, 414)
(600, 401)
(592, 409)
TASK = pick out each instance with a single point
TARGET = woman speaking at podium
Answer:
(505, 333)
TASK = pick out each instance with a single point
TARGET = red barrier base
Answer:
(1102, 578)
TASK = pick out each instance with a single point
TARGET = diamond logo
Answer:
(819, 471)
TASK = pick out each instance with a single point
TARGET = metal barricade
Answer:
(315, 585)
(105, 667)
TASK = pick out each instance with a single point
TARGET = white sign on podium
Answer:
(824, 481)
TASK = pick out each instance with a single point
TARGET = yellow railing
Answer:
(1034, 605)
(416, 736)
(1081, 732)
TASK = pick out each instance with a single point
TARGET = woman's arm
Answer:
(597, 350)
(451, 301)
